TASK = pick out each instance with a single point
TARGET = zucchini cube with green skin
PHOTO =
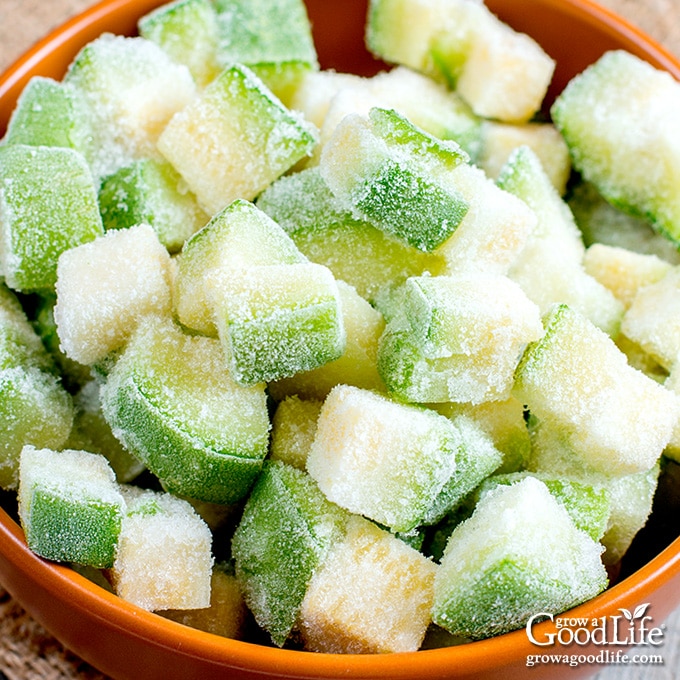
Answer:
(457, 338)
(285, 534)
(601, 222)
(630, 496)
(150, 191)
(587, 502)
(476, 458)
(48, 204)
(518, 554)
(354, 250)
(34, 406)
(164, 556)
(48, 114)
(275, 321)
(20, 345)
(431, 106)
(493, 232)
(34, 409)
(358, 365)
(391, 174)
(130, 89)
(239, 236)
(501, 73)
(105, 287)
(235, 123)
(380, 458)
(504, 422)
(170, 400)
(70, 506)
(616, 419)
(373, 594)
(618, 119)
(188, 31)
(274, 39)
(550, 268)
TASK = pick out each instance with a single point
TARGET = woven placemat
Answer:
(27, 650)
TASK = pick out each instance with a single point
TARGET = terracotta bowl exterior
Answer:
(128, 643)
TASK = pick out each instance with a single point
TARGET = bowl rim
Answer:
(92, 598)
(87, 596)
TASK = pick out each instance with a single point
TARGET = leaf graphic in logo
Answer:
(627, 614)
(640, 611)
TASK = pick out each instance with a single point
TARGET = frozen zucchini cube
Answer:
(293, 430)
(150, 191)
(188, 31)
(235, 123)
(170, 400)
(499, 140)
(623, 272)
(354, 250)
(630, 496)
(239, 236)
(388, 172)
(227, 614)
(550, 268)
(631, 500)
(520, 553)
(652, 319)
(70, 506)
(457, 338)
(476, 458)
(504, 421)
(588, 503)
(105, 287)
(601, 222)
(618, 119)
(34, 409)
(431, 106)
(493, 232)
(20, 345)
(285, 534)
(616, 419)
(130, 89)
(48, 204)
(358, 365)
(273, 38)
(427, 104)
(276, 320)
(383, 459)
(48, 114)
(164, 557)
(502, 74)
(372, 595)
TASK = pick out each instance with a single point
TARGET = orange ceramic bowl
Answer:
(126, 642)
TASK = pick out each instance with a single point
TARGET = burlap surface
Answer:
(27, 651)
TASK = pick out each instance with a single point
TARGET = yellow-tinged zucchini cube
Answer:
(164, 556)
(373, 594)
(234, 139)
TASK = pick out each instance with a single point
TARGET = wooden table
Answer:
(27, 652)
